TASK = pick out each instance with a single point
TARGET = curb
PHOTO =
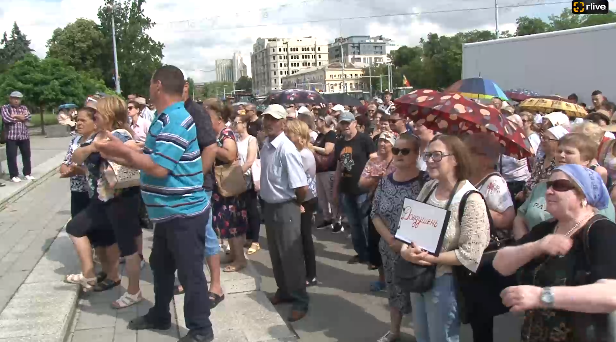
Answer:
(31, 185)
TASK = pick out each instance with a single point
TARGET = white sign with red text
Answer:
(423, 224)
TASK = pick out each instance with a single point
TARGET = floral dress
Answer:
(541, 172)
(230, 217)
(387, 204)
(79, 183)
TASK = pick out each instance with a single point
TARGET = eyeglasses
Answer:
(404, 151)
(560, 185)
(436, 156)
(546, 138)
(131, 107)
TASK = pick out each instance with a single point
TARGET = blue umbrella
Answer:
(477, 88)
(67, 106)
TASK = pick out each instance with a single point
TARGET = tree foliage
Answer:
(244, 83)
(191, 86)
(217, 89)
(138, 54)
(48, 83)
(80, 44)
(13, 47)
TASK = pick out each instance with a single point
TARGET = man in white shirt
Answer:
(283, 188)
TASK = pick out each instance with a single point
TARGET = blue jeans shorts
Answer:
(212, 247)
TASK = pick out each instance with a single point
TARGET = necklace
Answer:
(575, 227)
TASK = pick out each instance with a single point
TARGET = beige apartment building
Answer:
(328, 79)
(272, 59)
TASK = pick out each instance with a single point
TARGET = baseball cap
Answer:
(338, 108)
(303, 110)
(346, 117)
(389, 136)
(16, 94)
(276, 111)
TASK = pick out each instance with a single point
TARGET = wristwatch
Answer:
(547, 297)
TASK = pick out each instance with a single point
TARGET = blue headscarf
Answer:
(590, 182)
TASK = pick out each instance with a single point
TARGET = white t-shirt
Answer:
(610, 135)
(313, 136)
(534, 140)
(310, 167)
(496, 194)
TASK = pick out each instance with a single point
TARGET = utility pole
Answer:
(370, 73)
(496, 18)
(115, 50)
(389, 73)
(343, 75)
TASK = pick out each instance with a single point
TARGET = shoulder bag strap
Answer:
(585, 235)
(486, 178)
(463, 206)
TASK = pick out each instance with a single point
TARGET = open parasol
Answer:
(547, 106)
(294, 96)
(452, 113)
(477, 88)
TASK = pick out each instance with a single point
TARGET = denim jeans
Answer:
(212, 247)
(358, 221)
(435, 313)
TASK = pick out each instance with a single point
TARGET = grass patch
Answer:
(50, 119)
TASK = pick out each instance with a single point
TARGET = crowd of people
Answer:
(206, 175)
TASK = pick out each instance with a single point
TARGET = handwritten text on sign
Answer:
(422, 224)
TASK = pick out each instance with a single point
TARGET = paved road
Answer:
(342, 308)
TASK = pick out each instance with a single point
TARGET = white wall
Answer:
(573, 61)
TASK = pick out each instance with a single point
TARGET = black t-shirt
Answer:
(205, 136)
(329, 137)
(254, 127)
(353, 154)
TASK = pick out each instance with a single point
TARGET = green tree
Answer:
(599, 19)
(244, 83)
(80, 44)
(527, 25)
(138, 54)
(13, 48)
(217, 89)
(48, 83)
(191, 87)
(565, 20)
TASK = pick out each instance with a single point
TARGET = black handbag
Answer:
(478, 293)
(415, 278)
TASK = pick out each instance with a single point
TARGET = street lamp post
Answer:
(115, 50)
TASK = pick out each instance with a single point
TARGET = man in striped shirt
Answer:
(14, 118)
(172, 189)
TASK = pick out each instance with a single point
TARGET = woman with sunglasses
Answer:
(139, 125)
(544, 164)
(406, 181)
(573, 148)
(435, 312)
(559, 256)
(375, 169)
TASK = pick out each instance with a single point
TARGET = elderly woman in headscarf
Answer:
(545, 164)
(573, 148)
(559, 257)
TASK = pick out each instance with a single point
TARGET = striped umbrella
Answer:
(477, 88)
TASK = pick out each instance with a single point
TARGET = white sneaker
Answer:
(15, 179)
(28, 177)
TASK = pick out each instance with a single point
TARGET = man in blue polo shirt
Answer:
(172, 189)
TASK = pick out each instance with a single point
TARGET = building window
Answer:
(319, 63)
(274, 73)
(319, 48)
(274, 50)
(274, 58)
(281, 65)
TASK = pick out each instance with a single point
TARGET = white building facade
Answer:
(362, 51)
(328, 79)
(224, 70)
(272, 59)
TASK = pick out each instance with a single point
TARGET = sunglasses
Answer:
(131, 107)
(544, 138)
(436, 156)
(560, 185)
(393, 121)
(397, 151)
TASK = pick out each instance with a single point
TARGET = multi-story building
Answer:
(230, 70)
(361, 50)
(224, 70)
(328, 79)
(274, 58)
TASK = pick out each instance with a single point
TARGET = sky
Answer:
(196, 33)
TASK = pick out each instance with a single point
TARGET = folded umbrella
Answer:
(452, 113)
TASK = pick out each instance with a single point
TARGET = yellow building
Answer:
(328, 79)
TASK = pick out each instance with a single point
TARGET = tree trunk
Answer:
(43, 120)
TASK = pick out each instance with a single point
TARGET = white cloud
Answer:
(196, 33)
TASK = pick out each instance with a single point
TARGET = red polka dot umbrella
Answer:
(453, 114)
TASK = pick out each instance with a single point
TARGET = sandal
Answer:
(105, 285)
(215, 299)
(254, 248)
(127, 300)
(79, 279)
(377, 286)
(233, 268)
(100, 276)
(389, 337)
